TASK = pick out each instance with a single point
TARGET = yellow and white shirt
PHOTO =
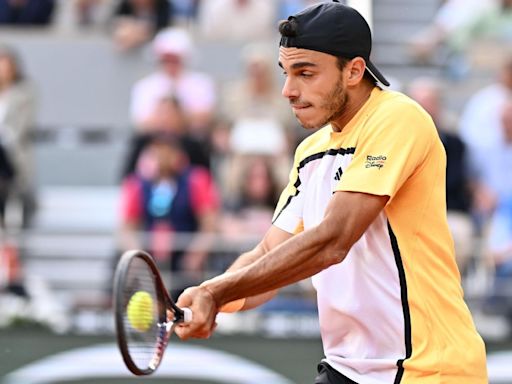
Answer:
(393, 310)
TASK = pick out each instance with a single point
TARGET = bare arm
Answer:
(347, 216)
(272, 239)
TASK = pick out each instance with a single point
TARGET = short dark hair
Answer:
(288, 28)
(343, 61)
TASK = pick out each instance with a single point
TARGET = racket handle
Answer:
(233, 306)
(187, 315)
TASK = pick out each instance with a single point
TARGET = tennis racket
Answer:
(145, 314)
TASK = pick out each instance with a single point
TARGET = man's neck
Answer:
(356, 100)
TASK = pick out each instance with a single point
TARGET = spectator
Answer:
(250, 213)
(194, 90)
(237, 20)
(498, 250)
(480, 123)
(185, 11)
(26, 12)
(7, 174)
(137, 21)
(11, 276)
(491, 24)
(428, 93)
(17, 115)
(167, 199)
(73, 14)
(452, 16)
(260, 120)
(496, 177)
(257, 94)
(168, 118)
(473, 33)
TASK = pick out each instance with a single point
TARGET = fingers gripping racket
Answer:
(145, 314)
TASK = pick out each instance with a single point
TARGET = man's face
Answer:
(168, 158)
(314, 86)
(171, 63)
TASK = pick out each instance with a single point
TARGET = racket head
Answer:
(143, 336)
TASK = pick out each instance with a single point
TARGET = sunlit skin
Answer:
(318, 91)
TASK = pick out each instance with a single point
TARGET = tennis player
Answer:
(364, 214)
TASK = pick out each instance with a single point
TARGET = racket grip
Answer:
(187, 315)
(233, 306)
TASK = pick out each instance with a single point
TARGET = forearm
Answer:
(242, 261)
(272, 239)
(247, 258)
(300, 257)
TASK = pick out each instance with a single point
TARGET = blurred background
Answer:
(159, 124)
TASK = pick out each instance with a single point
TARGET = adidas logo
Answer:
(339, 173)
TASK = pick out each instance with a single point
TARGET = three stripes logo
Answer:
(338, 175)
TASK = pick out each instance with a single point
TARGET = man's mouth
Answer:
(300, 106)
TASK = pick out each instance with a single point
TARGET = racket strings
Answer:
(145, 337)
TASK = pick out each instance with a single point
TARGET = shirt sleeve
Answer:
(393, 144)
(131, 200)
(204, 194)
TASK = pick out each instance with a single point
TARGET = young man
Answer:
(364, 214)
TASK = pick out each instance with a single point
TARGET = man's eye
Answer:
(306, 74)
(285, 74)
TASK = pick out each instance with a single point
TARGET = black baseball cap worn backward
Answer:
(335, 29)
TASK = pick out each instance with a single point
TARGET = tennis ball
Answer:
(140, 311)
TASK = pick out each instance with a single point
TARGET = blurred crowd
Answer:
(133, 23)
(208, 158)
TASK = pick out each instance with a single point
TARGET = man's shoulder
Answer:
(314, 143)
(399, 109)
(396, 114)
(395, 101)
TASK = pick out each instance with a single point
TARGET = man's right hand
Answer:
(204, 311)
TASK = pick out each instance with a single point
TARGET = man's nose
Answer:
(290, 90)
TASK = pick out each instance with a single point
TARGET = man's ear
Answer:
(356, 68)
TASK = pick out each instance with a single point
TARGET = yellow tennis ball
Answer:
(140, 311)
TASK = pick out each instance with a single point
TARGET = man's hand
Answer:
(204, 311)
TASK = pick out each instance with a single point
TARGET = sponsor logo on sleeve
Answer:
(375, 161)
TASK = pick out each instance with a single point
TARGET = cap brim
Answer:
(372, 70)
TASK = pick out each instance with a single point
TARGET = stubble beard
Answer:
(335, 104)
